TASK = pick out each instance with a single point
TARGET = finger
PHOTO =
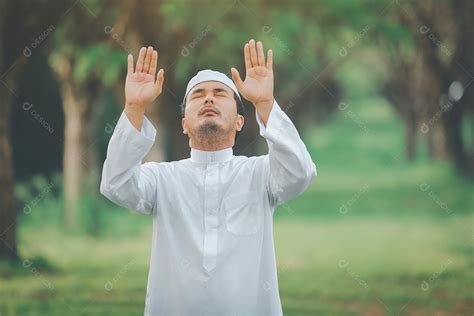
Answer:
(236, 78)
(160, 77)
(270, 60)
(260, 54)
(253, 53)
(130, 64)
(154, 62)
(248, 63)
(141, 58)
(146, 65)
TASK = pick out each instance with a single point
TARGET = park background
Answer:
(381, 92)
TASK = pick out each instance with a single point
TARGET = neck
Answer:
(211, 137)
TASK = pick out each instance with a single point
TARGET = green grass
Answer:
(396, 249)
(329, 267)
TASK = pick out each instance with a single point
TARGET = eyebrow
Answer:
(215, 90)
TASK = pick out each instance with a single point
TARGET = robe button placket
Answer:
(210, 215)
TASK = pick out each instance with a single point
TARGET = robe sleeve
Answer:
(125, 180)
(289, 167)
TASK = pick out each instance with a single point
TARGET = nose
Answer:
(209, 99)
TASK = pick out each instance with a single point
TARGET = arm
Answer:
(289, 165)
(125, 180)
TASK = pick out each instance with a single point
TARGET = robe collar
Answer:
(202, 156)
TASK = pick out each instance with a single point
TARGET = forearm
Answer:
(287, 152)
(263, 109)
(125, 181)
(289, 162)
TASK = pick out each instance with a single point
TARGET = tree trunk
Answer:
(80, 163)
(81, 171)
(72, 165)
(410, 141)
(427, 93)
(8, 211)
(462, 69)
(400, 92)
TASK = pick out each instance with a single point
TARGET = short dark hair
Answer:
(240, 110)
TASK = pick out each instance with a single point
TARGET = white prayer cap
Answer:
(210, 75)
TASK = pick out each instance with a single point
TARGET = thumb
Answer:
(236, 78)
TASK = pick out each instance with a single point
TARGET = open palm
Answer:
(141, 88)
(258, 84)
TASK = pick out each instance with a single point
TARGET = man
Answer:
(212, 249)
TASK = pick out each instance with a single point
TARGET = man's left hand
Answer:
(258, 84)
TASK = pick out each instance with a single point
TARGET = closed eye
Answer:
(196, 96)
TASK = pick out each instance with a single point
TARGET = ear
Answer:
(240, 122)
(183, 124)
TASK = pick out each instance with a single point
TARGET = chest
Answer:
(214, 197)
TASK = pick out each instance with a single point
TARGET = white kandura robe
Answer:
(212, 249)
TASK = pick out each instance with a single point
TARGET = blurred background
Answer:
(380, 91)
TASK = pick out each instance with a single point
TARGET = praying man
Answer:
(212, 247)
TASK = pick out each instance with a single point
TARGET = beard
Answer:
(209, 132)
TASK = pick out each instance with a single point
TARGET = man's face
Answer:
(210, 109)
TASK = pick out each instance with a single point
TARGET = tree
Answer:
(85, 65)
(8, 212)
(429, 75)
(15, 40)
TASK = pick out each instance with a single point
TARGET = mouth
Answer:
(209, 113)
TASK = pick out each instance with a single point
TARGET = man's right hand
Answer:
(141, 88)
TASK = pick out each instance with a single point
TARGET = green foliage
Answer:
(394, 235)
(99, 60)
(82, 39)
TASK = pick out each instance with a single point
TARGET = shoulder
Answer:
(253, 162)
(166, 165)
(251, 159)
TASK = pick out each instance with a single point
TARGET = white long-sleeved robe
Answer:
(212, 249)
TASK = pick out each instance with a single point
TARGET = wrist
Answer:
(263, 109)
(264, 104)
(135, 114)
(134, 107)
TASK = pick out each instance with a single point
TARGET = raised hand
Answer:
(258, 84)
(141, 86)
